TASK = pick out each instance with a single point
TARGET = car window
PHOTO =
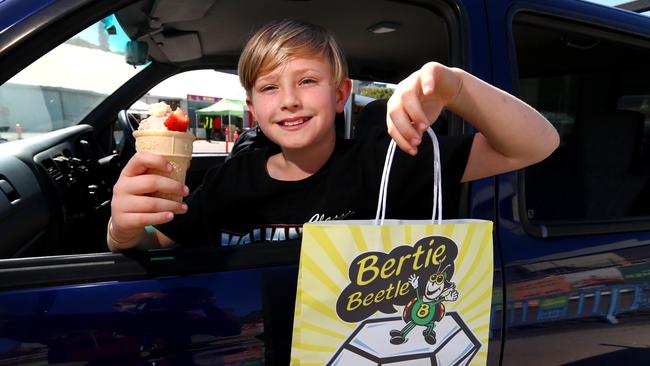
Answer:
(64, 85)
(592, 85)
(214, 101)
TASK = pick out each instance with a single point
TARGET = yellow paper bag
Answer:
(390, 292)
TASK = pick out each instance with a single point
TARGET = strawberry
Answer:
(177, 121)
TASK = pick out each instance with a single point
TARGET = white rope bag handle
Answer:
(436, 215)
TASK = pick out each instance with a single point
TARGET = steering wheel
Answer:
(128, 124)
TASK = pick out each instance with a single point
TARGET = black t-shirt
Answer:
(239, 203)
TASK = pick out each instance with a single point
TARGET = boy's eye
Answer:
(266, 88)
(307, 81)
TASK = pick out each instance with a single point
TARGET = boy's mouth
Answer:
(292, 122)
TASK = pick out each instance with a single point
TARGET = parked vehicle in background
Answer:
(571, 234)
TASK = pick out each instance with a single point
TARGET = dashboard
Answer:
(55, 192)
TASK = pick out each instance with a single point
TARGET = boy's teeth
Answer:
(294, 123)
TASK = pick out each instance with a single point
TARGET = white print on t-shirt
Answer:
(321, 217)
(268, 233)
(273, 233)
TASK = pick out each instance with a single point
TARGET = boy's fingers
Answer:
(427, 78)
(440, 81)
(139, 212)
(148, 204)
(143, 161)
(405, 125)
(149, 183)
(128, 187)
(403, 144)
(139, 220)
(417, 117)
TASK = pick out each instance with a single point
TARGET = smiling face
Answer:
(435, 286)
(295, 103)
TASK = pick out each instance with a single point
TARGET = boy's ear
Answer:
(342, 94)
(249, 103)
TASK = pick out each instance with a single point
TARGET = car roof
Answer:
(187, 31)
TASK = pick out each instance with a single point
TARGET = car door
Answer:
(574, 228)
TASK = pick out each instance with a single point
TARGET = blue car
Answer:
(571, 234)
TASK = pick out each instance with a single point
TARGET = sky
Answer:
(614, 3)
(607, 2)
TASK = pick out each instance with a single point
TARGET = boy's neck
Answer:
(298, 164)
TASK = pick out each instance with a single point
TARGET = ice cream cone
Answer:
(176, 147)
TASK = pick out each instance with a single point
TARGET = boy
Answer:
(296, 80)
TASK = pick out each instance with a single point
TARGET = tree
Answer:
(377, 92)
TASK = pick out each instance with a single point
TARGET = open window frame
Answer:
(583, 35)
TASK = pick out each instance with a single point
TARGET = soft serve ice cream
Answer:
(165, 133)
(161, 117)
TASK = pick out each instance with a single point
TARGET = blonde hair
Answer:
(275, 43)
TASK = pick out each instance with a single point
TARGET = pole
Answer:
(196, 123)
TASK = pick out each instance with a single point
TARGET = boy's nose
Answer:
(290, 100)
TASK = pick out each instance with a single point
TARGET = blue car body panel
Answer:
(218, 318)
(15, 11)
(600, 303)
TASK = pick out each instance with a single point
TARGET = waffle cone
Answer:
(176, 147)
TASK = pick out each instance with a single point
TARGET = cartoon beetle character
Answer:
(428, 309)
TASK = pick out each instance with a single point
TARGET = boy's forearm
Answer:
(511, 127)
